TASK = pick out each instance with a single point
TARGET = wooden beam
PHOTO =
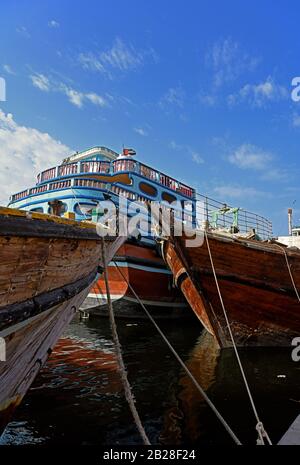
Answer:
(15, 313)
(22, 226)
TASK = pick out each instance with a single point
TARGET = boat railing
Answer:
(68, 169)
(38, 189)
(47, 174)
(153, 175)
(166, 181)
(92, 183)
(218, 215)
(106, 167)
(20, 195)
(65, 170)
(94, 167)
(123, 165)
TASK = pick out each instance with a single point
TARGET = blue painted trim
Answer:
(62, 197)
(110, 175)
(59, 190)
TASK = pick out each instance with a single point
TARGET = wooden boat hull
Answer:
(146, 272)
(28, 345)
(254, 280)
(47, 266)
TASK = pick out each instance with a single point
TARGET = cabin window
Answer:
(148, 189)
(168, 197)
(37, 209)
(84, 209)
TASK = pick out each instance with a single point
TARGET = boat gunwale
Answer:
(42, 302)
(7, 211)
(20, 223)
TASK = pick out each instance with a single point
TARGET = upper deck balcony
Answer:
(87, 167)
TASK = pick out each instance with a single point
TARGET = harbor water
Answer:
(77, 397)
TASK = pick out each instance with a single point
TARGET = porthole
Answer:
(168, 197)
(148, 189)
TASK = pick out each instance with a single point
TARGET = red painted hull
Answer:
(146, 272)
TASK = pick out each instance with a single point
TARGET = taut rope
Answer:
(128, 393)
(259, 426)
(190, 375)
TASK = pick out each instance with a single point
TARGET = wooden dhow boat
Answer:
(47, 266)
(238, 279)
(87, 178)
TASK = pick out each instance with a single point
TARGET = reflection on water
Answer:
(78, 398)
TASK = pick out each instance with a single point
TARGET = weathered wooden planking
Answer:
(20, 311)
(28, 346)
(245, 261)
(9, 226)
(292, 436)
(33, 266)
(46, 268)
(255, 284)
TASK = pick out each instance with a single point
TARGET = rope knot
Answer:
(261, 434)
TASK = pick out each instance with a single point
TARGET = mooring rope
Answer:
(73, 192)
(290, 271)
(259, 426)
(127, 389)
(179, 359)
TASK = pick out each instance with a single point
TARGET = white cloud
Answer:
(24, 151)
(75, 97)
(228, 61)
(22, 30)
(238, 192)
(250, 156)
(8, 69)
(141, 131)
(197, 158)
(173, 96)
(276, 174)
(120, 57)
(40, 81)
(187, 149)
(79, 98)
(53, 24)
(175, 146)
(259, 94)
(90, 61)
(96, 99)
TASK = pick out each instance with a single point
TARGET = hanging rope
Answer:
(190, 375)
(290, 271)
(73, 192)
(128, 393)
(259, 426)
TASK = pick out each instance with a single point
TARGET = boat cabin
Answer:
(96, 174)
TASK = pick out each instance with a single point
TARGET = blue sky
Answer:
(201, 90)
